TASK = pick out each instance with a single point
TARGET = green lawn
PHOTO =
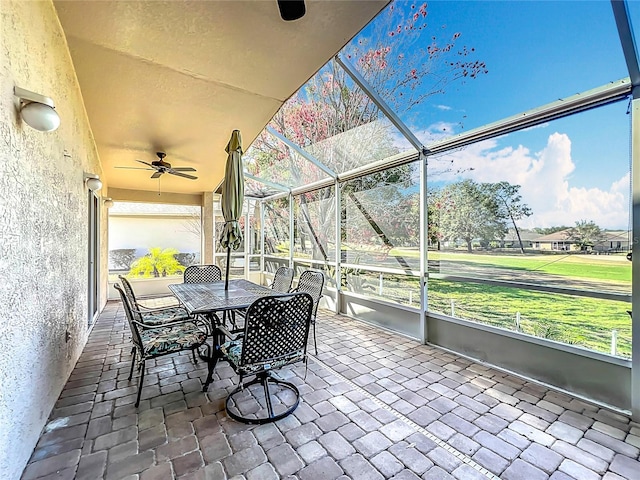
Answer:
(577, 320)
(570, 319)
(608, 268)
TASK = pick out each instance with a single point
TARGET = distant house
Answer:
(613, 241)
(528, 237)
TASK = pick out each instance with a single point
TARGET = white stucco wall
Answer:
(149, 232)
(43, 229)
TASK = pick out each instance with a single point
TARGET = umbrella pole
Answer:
(226, 277)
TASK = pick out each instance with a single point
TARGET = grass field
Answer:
(606, 268)
(577, 320)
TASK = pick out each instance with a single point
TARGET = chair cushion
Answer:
(158, 317)
(174, 339)
(232, 350)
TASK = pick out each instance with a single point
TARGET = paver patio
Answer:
(374, 405)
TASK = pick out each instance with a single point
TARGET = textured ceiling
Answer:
(180, 76)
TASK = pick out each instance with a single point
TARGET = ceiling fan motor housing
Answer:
(161, 163)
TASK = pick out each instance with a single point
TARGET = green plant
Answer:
(157, 263)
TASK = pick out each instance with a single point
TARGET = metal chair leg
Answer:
(193, 354)
(140, 382)
(212, 361)
(315, 342)
(133, 362)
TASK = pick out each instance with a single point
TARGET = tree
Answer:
(510, 204)
(158, 262)
(434, 234)
(122, 258)
(193, 224)
(585, 234)
(468, 210)
(405, 64)
(550, 230)
(337, 123)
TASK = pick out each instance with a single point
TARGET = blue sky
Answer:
(537, 52)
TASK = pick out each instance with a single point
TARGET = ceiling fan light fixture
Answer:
(291, 9)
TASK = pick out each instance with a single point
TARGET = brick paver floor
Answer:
(374, 405)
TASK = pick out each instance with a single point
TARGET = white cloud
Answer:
(546, 182)
(542, 125)
(443, 107)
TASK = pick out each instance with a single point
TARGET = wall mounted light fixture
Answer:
(37, 110)
(108, 202)
(93, 181)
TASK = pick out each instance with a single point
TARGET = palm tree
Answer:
(157, 263)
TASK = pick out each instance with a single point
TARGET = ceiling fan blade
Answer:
(173, 172)
(156, 175)
(184, 169)
(146, 163)
(134, 168)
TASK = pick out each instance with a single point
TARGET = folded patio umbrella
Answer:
(232, 199)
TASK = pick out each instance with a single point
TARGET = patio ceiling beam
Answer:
(381, 103)
(625, 31)
(303, 153)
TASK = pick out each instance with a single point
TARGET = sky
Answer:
(536, 52)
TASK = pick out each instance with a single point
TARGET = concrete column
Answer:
(208, 240)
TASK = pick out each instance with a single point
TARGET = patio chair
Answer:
(206, 274)
(202, 274)
(281, 283)
(282, 279)
(275, 334)
(312, 282)
(152, 342)
(154, 316)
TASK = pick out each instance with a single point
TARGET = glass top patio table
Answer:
(207, 298)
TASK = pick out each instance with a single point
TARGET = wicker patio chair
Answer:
(312, 282)
(281, 283)
(275, 334)
(202, 274)
(282, 280)
(152, 342)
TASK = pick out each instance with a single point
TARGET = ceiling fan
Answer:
(160, 167)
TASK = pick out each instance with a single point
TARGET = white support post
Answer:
(614, 342)
(424, 255)
(635, 268)
(291, 231)
(261, 242)
(247, 239)
(338, 234)
(453, 307)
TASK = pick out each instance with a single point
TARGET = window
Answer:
(565, 187)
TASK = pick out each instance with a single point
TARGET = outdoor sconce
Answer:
(108, 202)
(93, 181)
(37, 110)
